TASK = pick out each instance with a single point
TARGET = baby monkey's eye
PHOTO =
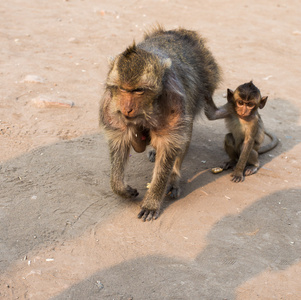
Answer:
(240, 103)
(251, 105)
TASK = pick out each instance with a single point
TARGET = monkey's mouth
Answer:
(246, 117)
(135, 120)
(131, 118)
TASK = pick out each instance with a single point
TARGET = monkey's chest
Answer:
(140, 138)
(238, 129)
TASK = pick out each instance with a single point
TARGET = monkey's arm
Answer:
(165, 159)
(119, 153)
(119, 147)
(214, 113)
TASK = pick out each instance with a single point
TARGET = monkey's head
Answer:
(136, 80)
(246, 99)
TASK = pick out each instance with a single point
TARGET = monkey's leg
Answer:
(152, 201)
(229, 145)
(253, 163)
(119, 153)
(246, 149)
(173, 189)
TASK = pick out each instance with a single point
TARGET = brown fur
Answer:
(153, 91)
(246, 129)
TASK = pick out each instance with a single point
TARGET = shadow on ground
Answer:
(264, 236)
(57, 192)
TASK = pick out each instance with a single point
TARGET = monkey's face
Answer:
(245, 108)
(246, 99)
(136, 81)
(134, 102)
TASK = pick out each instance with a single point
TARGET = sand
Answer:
(65, 235)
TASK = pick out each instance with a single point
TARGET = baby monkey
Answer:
(246, 135)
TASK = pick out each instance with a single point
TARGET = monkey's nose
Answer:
(129, 113)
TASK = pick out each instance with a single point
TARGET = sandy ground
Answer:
(65, 235)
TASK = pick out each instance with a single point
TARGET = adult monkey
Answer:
(246, 128)
(153, 92)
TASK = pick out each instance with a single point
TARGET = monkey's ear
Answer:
(113, 76)
(230, 94)
(262, 102)
(111, 60)
(166, 63)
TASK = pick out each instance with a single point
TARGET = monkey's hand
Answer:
(150, 208)
(237, 176)
(148, 214)
(214, 113)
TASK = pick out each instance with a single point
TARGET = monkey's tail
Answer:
(271, 145)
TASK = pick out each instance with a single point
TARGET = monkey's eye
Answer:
(122, 90)
(250, 105)
(240, 103)
(139, 91)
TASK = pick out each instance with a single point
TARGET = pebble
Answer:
(99, 285)
(268, 77)
(43, 102)
(73, 40)
(297, 32)
(33, 79)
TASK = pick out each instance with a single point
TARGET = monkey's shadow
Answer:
(206, 149)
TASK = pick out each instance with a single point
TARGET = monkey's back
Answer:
(192, 63)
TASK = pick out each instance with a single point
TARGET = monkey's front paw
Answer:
(148, 214)
(237, 177)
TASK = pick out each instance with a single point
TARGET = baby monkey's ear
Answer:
(262, 102)
(230, 94)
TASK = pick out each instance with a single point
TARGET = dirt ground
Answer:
(65, 235)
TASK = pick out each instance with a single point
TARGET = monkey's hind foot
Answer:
(130, 192)
(228, 165)
(127, 192)
(148, 214)
(151, 155)
(173, 191)
(250, 170)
